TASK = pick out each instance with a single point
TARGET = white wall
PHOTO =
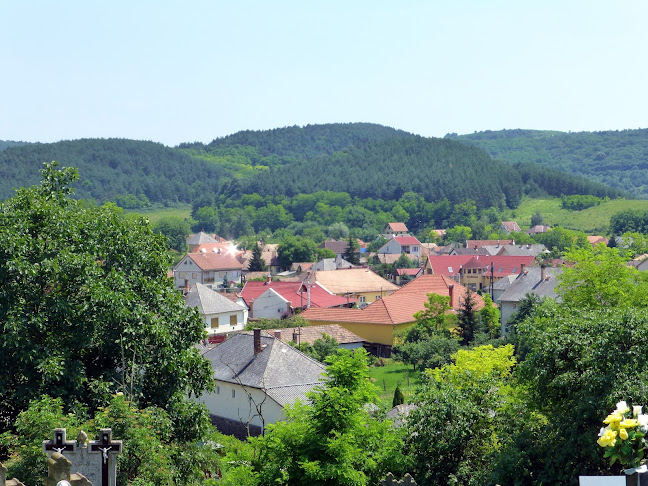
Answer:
(269, 305)
(391, 247)
(224, 325)
(239, 407)
(187, 269)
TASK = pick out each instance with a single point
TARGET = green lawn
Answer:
(154, 215)
(392, 374)
(594, 220)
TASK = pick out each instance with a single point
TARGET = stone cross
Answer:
(108, 449)
(58, 470)
(59, 444)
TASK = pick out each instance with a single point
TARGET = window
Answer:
(214, 322)
(363, 299)
(233, 320)
(193, 275)
(377, 297)
(450, 270)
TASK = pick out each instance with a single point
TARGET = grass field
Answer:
(593, 220)
(154, 215)
(392, 374)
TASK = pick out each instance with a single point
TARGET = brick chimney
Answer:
(451, 293)
(522, 268)
(257, 341)
(277, 334)
(542, 272)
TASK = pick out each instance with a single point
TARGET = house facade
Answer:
(221, 315)
(360, 284)
(207, 268)
(396, 229)
(410, 245)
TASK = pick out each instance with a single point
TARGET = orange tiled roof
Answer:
(480, 243)
(398, 227)
(215, 261)
(399, 307)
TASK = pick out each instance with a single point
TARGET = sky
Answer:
(184, 71)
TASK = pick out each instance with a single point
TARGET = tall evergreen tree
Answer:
(468, 320)
(256, 262)
(351, 252)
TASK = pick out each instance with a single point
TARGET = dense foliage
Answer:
(615, 158)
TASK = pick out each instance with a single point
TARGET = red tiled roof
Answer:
(407, 271)
(510, 226)
(595, 240)
(294, 292)
(398, 227)
(399, 307)
(503, 265)
(407, 240)
(214, 261)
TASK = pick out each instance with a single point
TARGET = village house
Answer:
(510, 227)
(523, 250)
(208, 268)
(281, 299)
(540, 281)
(221, 315)
(197, 239)
(410, 245)
(381, 321)
(396, 229)
(361, 284)
(256, 376)
(537, 229)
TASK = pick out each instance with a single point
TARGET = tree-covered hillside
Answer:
(9, 143)
(616, 158)
(433, 168)
(113, 168)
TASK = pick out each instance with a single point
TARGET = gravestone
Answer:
(58, 469)
(96, 460)
(7, 482)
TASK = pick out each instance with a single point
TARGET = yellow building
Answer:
(379, 322)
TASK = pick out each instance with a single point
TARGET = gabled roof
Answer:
(352, 280)
(407, 240)
(449, 265)
(538, 228)
(215, 261)
(282, 371)
(522, 250)
(408, 271)
(209, 301)
(311, 334)
(509, 226)
(480, 243)
(335, 246)
(504, 283)
(398, 227)
(399, 307)
(530, 282)
(294, 292)
(470, 251)
(595, 240)
(202, 237)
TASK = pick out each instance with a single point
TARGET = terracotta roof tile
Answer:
(352, 280)
(215, 261)
(398, 227)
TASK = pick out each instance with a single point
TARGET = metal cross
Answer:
(106, 446)
(59, 444)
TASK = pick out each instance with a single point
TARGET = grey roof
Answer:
(522, 250)
(471, 251)
(281, 370)
(209, 301)
(504, 283)
(529, 283)
(200, 238)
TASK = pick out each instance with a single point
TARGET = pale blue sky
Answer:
(174, 71)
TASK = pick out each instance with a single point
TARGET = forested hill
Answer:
(434, 168)
(616, 158)
(113, 168)
(8, 143)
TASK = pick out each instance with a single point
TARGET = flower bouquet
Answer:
(624, 437)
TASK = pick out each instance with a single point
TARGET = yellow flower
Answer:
(623, 433)
(608, 439)
(613, 417)
(628, 423)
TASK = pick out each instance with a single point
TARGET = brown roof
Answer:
(215, 261)
(352, 280)
(510, 226)
(398, 227)
(595, 240)
(312, 333)
(399, 307)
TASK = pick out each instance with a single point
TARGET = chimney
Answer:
(542, 272)
(294, 336)
(522, 267)
(257, 341)
(451, 293)
(186, 286)
(277, 335)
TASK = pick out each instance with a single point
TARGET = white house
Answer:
(207, 268)
(410, 245)
(256, 376)
(396, 229)
(220, 314)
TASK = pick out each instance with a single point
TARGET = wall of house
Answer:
(507, 309)
(392, 247)
(239, 407)
(187, 269)
(224, 325)
(269, 305)
(373, 333)
(370, 297)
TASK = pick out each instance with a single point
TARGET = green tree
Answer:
(352, 252)
(489, 317)
(206, 220)
(404, 262)
(399, 398)
(257, 264)
(536, 219)
(86, 308)
(467, 319)
(458, 234)
(334, 440)
(321, 348)
(296, 249)
(175, 230)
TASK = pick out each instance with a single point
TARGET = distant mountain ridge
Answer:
(363, 159)
(616, 158)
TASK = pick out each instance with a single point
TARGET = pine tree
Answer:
(468, 319)
(399, 398)
(256, 262)
(351, 252)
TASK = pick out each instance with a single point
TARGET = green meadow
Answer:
(392, 374)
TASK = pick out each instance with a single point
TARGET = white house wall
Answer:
(224, 325)
(187, 269)
(269, 305)
(239, 407)
(392, 247)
